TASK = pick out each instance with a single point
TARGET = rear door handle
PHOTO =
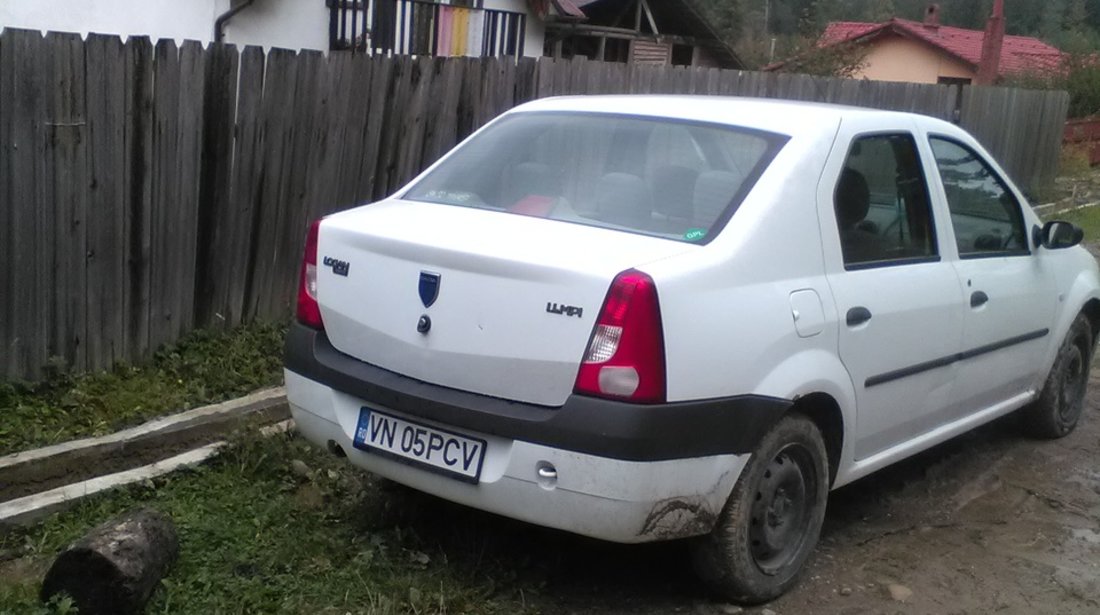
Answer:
(978, 299)
(858, 315)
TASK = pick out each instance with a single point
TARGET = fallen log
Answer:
(116, 566)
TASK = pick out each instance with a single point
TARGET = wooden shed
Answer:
(637, 31)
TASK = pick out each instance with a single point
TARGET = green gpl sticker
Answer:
(695, 234)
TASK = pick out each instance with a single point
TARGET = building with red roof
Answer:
(928, 52)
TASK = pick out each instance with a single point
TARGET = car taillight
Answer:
(626, 357)
(309, 312)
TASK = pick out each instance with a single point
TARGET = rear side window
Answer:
(984, 213)
(881, 201)
(672, 179)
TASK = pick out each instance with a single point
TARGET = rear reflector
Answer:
(309, 312)
(626, 356)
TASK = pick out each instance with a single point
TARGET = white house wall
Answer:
(293, 24)
(536, 28)
(186, 19)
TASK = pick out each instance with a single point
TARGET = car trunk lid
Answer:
(510, 301)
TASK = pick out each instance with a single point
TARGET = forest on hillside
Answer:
(766, 30)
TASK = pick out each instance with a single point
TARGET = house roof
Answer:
(1019, 54)
(570, 8)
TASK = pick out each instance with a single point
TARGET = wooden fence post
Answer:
(217, 215)
(105, 324)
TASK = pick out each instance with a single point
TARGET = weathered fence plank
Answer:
(150, 190)
(105, 58)
(469, 98)
(24, 58)
(381, 77)
(217, 216)
(186, 210)
(526, 71)
(235, 272)
(139, 194)
(274, 178)
(442, 131)
(413, 123)
(330, 134)
(63, 197)
(304, 152)
(164, 260)
(9, 366)
(353, 123)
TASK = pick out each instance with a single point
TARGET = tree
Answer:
(841, 60)
(1071, 25)
(1050, 24)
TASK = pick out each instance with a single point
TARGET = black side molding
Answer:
(953, 358)
(614, 429)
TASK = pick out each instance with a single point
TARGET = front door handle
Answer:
(858, 315)
(978, 299)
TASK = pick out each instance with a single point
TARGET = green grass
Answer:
(204, 367)
(258, 535)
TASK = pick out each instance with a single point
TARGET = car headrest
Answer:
(673, 190)
(624, 199)
(853, 198)
(713, 192)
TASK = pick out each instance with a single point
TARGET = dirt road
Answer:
(991, 522)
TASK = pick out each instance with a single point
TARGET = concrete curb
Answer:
(39, 470)
(26, 510)
(31, 508)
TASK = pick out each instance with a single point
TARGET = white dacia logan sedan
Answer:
(643, 318)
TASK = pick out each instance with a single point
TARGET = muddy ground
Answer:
(991, 522)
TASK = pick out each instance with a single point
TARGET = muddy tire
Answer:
(1056, 412)
(773, 517)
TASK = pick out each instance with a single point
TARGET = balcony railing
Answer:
(422, 27)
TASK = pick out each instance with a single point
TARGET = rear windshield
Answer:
(667, 178)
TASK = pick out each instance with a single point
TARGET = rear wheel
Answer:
(773, 518)
(1056, 412)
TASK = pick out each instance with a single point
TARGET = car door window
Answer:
(881, 201)
(984, 213)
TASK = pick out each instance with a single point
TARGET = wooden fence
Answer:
(1084, 133)
(146, 190)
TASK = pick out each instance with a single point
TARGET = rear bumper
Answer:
(609, 499)
(624, 472)
(606, 428)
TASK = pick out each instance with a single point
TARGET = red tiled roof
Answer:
(1020, 54)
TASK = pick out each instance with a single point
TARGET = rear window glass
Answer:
(667, 178)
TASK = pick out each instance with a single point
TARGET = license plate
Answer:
(431, 448)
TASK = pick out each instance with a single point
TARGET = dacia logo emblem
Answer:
(429, 288)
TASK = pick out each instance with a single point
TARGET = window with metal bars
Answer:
(424, 27)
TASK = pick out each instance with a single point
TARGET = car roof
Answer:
(793, 118)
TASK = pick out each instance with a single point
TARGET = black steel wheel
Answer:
(1058, 409)
(773, 518)
(781, 507)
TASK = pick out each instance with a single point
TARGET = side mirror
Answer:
(1058, 234)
